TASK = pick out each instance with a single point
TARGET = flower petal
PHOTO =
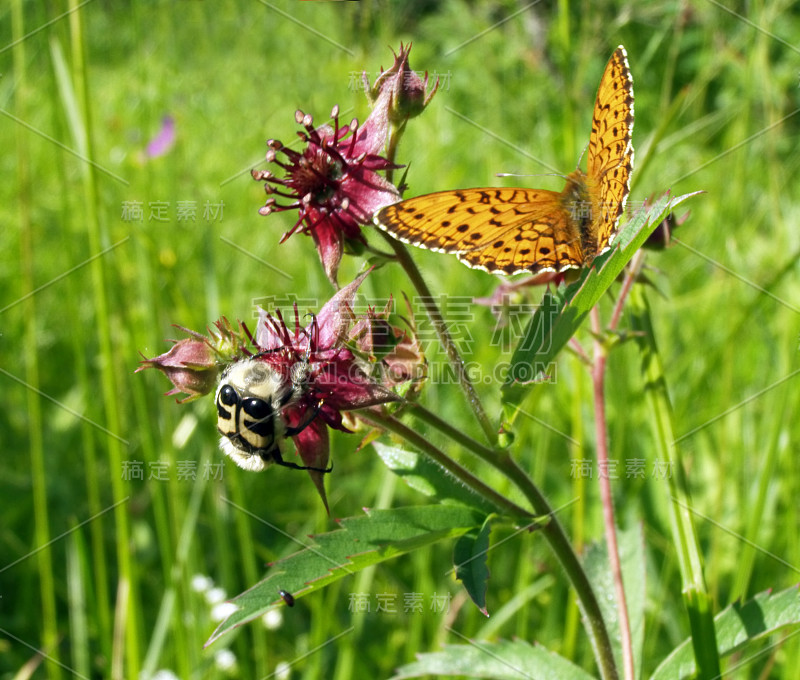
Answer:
(348, 388)
(313, 445)
(330, 246)
(336, 315)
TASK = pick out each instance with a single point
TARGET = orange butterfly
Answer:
(509, 231)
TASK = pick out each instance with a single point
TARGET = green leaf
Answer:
(561, 314)
(503, 660)
(737, 626)
(361, 542)
(630, 544)
(422, 474)
(469, 557)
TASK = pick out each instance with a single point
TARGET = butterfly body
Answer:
(508, 231)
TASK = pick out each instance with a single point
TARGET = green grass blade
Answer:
(696, 597)
(77, 595)
(188, 531)
(30, 344)
(126, 652)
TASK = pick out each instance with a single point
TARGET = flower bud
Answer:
(190, 365)
(400, 91)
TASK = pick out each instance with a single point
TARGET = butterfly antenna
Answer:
(543, 174)
(583, 153)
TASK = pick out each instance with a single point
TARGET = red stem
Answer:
(601, 438)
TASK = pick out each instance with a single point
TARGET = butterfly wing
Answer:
(610, 157)
(517, 230)
(497, 230)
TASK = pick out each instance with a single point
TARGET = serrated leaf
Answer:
(561, 314)
(422, 474)
(630, 544)
(362, 541)
(503, 660)
(469, 557)
(737, 626)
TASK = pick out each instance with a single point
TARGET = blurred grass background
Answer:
(96, 571)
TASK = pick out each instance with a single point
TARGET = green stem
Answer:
(395, 134)
(47, 618)
(554, 533)
(551, 530)
(698, 601)
(440, 325)
(431, 308)
(125, 657)
(482, 451)
(500, 460)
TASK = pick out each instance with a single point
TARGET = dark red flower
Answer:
(289, 381)
(332, 183)
(338, 380)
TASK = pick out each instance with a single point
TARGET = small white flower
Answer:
(225, 660)
(283, 670)
(164, 674)
(215, 595)
(201, 583)
(273, 619)
(222, 610)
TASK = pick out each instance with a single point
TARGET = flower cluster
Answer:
(293, 380)
(337, 351)
(333, 183)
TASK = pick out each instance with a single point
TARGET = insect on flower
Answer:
(250, 400)
(296, 384)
